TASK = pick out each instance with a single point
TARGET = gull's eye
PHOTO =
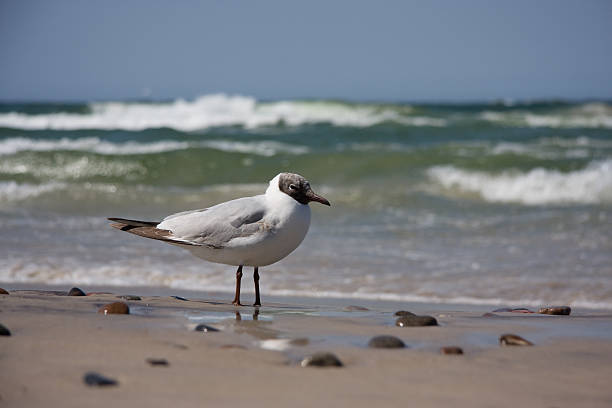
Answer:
(292, 187)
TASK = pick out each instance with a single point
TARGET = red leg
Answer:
(256, 280)
(236, 301)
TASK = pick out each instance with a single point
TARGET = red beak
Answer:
(311, 196)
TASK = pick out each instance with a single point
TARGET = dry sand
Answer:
(57, 339)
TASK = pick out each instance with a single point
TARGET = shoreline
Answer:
(255, 357)
(298, 299)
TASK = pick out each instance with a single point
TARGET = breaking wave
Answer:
(13, 191)
(95, 145)
(217, 110)
(591, 185)
(589, 115)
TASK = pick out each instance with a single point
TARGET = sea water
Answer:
(490, 203)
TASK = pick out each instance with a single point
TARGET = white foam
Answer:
(13, 191)
(590, 115)
(262, 148)
(126, 274)
(542, 150)
(458, 300)
(95, 145)
(591, 185)
(216, 110)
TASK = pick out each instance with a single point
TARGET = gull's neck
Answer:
(275, 195)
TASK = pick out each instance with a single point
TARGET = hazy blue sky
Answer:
(394, 50)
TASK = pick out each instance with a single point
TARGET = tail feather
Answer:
(148, 229)
(134, 223)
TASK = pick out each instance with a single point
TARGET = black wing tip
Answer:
(134, 223)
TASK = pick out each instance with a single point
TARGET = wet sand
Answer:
(252, 361)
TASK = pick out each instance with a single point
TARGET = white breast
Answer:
(283, 228)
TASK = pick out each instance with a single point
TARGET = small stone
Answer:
(404, 313)
(179, 298)
(451, 350)
(321, 359)
(3, 292)
(513, 340)
(129, 297)
(233, 346)
(76, 292)
(301, 341)
(157, 362)
(115, 308)
(204, 328)
(353, 308)
(413, 321)
(386, 342)
(4, 331)
(556, 310)
(94, 379)
(490, 315)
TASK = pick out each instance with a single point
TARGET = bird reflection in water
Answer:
(255, 315)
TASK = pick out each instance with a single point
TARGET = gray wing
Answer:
(217, 226)
(183, 213)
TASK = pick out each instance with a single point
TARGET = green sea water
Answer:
(483, 203)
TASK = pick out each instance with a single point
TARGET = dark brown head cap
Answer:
(298, 188)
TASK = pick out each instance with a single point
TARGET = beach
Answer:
(412, 201)
(450, 210)
(254, 359)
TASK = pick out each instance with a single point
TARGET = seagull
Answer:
(250, 231)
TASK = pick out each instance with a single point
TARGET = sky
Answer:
(356, 50)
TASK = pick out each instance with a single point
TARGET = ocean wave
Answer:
(14, 192)
(588, 115)
(11, 191)
(217, 110)
(15, 145)
(591, 185)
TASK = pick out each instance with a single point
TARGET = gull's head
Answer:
(296, 187)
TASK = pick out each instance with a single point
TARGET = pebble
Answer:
(158, 362)
(4, 331)
(353, 308)
(94, 379)
(413, 321)
(404, 313)
(513, 340)
(556, 310)
(233, 346)
(451, 350)
(115, 308)
(76, 292)
(321, 359)
(179, 298)
(204, 328)
(130, 297)
(3, 292)
(386, 342)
